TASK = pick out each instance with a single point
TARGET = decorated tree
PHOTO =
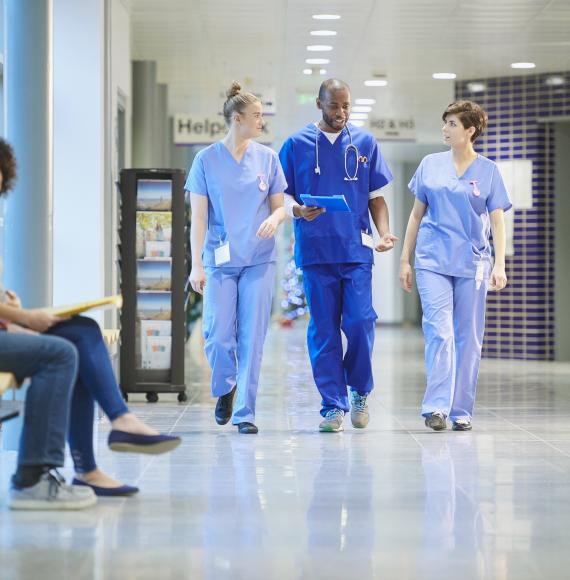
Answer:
(293, 303)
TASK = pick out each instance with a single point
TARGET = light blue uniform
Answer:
(452, 243)
(337, 267)
(238, 293)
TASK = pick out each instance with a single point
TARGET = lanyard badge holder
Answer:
(222, 253)
(367, 239)
(480, 265)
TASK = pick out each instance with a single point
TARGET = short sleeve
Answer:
(416, 184)
(498, 196)
(196, 180)
(286, 157)
(380, 174)
(277, 182)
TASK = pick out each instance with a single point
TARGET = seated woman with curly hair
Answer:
(70, 369)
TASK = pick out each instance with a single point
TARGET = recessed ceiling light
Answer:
(555, 81)
(319, 47)
(359, 116)
(523, 65)
(357, 122)
(365, 101)
(361, 109)
(317, 60)
(476, 87)
(376, 83)
(323, 71)
(307, 71)
(323, 32)
(326, 16)
(444, 76)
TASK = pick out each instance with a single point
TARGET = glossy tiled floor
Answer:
(394, 501)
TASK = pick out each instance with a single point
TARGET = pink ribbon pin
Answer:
(262, 184)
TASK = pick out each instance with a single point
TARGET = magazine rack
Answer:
(153, 270)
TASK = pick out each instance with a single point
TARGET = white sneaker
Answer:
(462, 425)
(332, 423)
(51, 493)
(359, 414)
(436, 421)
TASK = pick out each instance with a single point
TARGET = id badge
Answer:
(367, 240)
(222, 254)
(479, 273)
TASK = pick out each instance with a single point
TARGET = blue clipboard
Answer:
(329, 202)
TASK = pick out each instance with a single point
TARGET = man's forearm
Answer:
(380, 215)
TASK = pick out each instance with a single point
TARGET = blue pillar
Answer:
(28, 101)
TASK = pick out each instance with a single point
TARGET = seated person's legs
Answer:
(97, 382)
(51, 363)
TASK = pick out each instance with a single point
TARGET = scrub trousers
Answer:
(339, 296)
(454, 324)
(237, 310)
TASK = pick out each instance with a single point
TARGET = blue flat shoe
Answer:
(134, 443)
(121, 490)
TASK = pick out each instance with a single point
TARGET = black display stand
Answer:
(135, 376)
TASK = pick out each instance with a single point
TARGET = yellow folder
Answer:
(73, 309)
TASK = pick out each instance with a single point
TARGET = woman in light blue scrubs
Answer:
(460, 200)
(236, 190)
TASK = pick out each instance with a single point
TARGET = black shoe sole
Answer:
(461, 427)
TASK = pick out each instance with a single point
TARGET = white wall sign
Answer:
(268, 100)
(517, 176)
(266, 95)
(393, 129)
(192, 129)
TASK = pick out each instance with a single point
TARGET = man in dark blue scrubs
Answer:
(335, 249)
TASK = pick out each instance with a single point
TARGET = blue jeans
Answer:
(51, 363)
(95, 382)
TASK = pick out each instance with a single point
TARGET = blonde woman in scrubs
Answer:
(236, 191)
(460, 200)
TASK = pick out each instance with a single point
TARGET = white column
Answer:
(79, 161)
(28, 90)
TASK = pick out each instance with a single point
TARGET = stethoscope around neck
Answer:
(350, 147)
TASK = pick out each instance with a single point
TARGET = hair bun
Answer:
(233, 90)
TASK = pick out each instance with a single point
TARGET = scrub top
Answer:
(333, 237)
(454, 232)
(238, 200)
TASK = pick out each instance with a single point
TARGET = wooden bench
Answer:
(11, 409)
(7, 382)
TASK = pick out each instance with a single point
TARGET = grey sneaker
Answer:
(436, 421)
(358, 410)
(51, 493)
(332, 423)
(462, 425)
